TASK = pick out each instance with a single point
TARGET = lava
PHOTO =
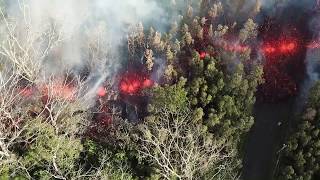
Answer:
(280, 47)
(279, 80)
(203, 55)
(287, 47)
(101, 92)
(57, 90)
(26, 92)
(269, 49)
(132, 83)
(147, 83)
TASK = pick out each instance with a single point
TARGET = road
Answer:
(266, 138)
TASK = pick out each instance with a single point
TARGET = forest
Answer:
(169, 89)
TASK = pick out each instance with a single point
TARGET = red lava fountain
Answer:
(281, 68)
(101, 92)
(203, 55)
(280, 47)
(132, 83)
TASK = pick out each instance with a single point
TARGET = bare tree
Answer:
(180, 148)
(23, 49)
(13, 117)
(63, 100)
(9, 120)
(54, 136)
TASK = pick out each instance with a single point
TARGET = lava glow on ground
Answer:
(56, 91)
(66, 92)
(101, 91)
(283, 66)
(133, 83)
(281, 47)
(271, 49)
(203, 55)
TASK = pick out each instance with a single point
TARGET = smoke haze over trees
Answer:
(141, 89)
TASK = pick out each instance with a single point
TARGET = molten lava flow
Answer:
(134, 83)
(269, 50)
(280, 47)
(101, 92)
(26, 92)
(147, 83)
(58, 91)
(288, 47)
(203, 55)
(281, 68)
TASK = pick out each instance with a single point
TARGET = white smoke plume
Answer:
(70, 35)
(312, 58)
(80, 20)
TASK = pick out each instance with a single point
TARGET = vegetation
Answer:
(300, 157)
(199, 112)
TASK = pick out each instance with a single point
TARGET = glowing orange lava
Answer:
(101, 92)
(58, 91)
(26, 92)
(269, 50)
(287, 47)
(147, 83)
(203, 55)
(280, 47)
(134, 83)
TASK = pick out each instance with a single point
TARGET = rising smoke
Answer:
(78, 36)
(301, 17)
(312, 60)
(89, 35)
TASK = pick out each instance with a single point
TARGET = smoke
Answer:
(160, 66)
(79, 21)
(303, 17)
(312, 59)
(313, 55)
(81, 35)
(283, 3)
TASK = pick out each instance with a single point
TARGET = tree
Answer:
(176, 92)
(221, 80)
(178, 147)
(198, 112)
(10, 122)
(249, 31)
(25, 52)
(300, 157)
(50, 154)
